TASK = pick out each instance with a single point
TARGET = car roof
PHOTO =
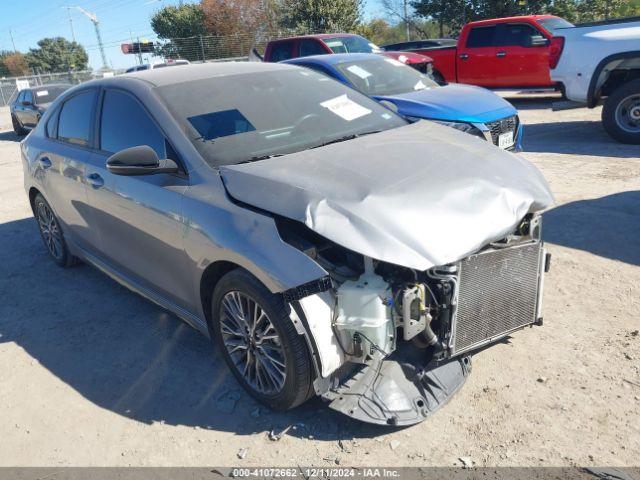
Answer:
(335, 58)
(186, 73)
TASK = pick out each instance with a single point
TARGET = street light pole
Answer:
(406, 22)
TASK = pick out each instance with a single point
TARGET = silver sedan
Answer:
(326, 245)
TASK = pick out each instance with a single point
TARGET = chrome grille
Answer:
(497, 293)
(505, 125)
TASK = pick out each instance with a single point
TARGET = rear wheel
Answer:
(621, 113)
(17, 126)
(256, 336)
(51, 233)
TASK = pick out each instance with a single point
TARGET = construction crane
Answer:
(94, 19)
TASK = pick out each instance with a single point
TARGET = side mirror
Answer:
(26, 103)
(141, 160)
(536, 41)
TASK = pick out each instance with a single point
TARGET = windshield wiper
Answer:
(345, 138)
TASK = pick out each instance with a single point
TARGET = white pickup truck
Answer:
(600, 62)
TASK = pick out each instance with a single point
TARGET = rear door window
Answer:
(481, 37)
(125, 123)
(75, 121)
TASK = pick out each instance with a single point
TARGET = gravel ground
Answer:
(91, 374)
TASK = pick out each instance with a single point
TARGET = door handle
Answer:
(95, 180)
(464, 56)
(45, 162)
(501, 54)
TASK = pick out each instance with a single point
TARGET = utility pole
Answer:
(13, 42)
(73, 33)
(96, 24)
(406, 21)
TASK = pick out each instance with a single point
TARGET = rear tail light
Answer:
(555, 51)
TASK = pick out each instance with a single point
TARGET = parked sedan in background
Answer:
(474, 110)
(31, 103)
(325, 244)
(335, 43)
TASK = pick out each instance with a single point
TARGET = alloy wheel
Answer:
(253, 343)
(50, 230)
(628, 114)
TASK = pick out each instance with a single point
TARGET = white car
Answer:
(600, 62)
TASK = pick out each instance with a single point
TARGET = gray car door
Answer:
(139, 218)
(62, 162)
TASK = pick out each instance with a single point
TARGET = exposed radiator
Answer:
(497, 294)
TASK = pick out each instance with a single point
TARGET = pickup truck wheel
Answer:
(256, 336)
(621, 113)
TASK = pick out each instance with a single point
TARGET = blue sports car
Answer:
(416, 96)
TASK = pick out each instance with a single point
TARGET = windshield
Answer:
(237, 118)
(48, 94)
(554, 23)
(384, 76)
(351, 44)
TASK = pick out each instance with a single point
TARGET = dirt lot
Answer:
(91, 374)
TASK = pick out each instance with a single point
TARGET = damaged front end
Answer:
(403, 339)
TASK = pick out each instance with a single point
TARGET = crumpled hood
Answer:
(419, 196)
(463, 103)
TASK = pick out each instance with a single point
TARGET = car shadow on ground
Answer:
(129, 356)
(573, 137)
(608, 226)
(10, 136)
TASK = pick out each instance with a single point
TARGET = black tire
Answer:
(297, 385)
(613, 113)
(44, 215)
(17, 126)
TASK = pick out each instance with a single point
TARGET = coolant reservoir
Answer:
(362, 308)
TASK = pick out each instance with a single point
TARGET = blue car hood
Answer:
(455, 102)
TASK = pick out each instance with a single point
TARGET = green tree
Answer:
(179, 21)
(180, 26)
(57, 55)
(320, 15)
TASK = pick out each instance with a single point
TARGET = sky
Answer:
(120, 20)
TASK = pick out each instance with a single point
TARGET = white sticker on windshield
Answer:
(345, 108)
(394, 62)
(359, 71)
(42, 93)
(419, 85)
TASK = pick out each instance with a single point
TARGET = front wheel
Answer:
(621, 113)
(256, 336)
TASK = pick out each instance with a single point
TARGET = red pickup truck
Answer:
(514, 52)
(327, 43)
